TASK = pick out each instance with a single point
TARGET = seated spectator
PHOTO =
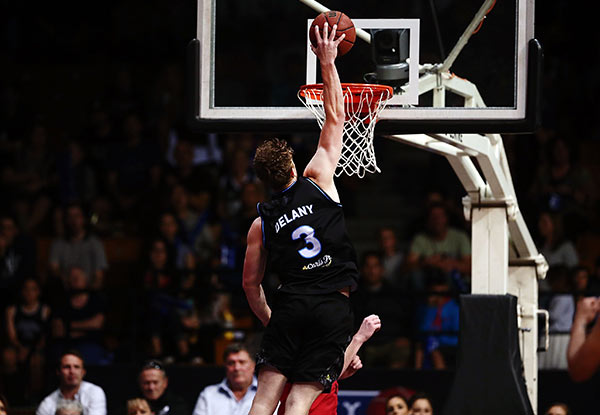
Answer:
(390, 347)
(552, 243)
(234, 395)
(392, 256)
(194, 221)
(179, 252)
(420, 404)
(26, 327)
(558, 408)
(30, 179)
(441, 247)
(238, 173)
(161, 285)
(580, 281)
(153, 383)
(138, 406)
(77, 178)
(207, 313)
(439, 314)
(564, 185)
(79, 248)
(396, 405)
(68, 407)
(133, 170)
(70, 373)
(561, 309)
(185, 168)
(17, 259)
(80, 322)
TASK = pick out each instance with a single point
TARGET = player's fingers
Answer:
(326, 30)
(339, 39)
(318, 34)
(333, 30)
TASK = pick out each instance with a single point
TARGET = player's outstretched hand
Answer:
(327, 45)
(368, 327)
(587, 309)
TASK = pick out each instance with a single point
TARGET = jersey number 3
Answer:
(308, 234)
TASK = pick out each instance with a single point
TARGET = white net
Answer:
(363, 103)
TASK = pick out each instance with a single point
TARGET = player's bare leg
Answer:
(302, 396)
(270, 387)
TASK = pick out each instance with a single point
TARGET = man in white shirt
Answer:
(234, 395)
(70, 373)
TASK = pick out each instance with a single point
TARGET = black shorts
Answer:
(307, 336)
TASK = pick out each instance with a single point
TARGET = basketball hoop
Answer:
(363, 103)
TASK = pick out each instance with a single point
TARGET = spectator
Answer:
(138, 406)
(558, 408)
(30, 179)
(441, 247)
(153, 382)
(420, 404)
(230, 186)
(70, 373)
(564, 185)
(207, 313)
(80, 322)
(194, 222)
(185, 169)
(561, 308)
(17, 259)
(161, 286)
(26, 327)
(77, 178)
(552, 242)
(79, 249)
(68, 407)
(133, 170)
(178, 251)
(235, 393)
(580, 281)
(440, 314)
(583, 353)
(390, 347)
(396, 405)
(392, 256)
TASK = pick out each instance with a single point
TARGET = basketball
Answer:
(344, 26)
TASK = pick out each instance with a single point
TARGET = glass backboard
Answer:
(471, 65)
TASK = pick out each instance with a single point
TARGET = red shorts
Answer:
(325, 404)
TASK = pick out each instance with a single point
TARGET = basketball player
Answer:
(301, 236)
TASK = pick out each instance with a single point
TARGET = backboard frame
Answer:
(523, 118)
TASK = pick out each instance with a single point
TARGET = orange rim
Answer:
(380, 92)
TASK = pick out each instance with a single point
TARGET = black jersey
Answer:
(304, 233)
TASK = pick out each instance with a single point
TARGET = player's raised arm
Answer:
(254, 270)
(321, 167)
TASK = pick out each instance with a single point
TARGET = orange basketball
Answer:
(344, 26)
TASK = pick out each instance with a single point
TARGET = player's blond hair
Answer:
(273, 163)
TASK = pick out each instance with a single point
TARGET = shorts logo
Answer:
(325, 261)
